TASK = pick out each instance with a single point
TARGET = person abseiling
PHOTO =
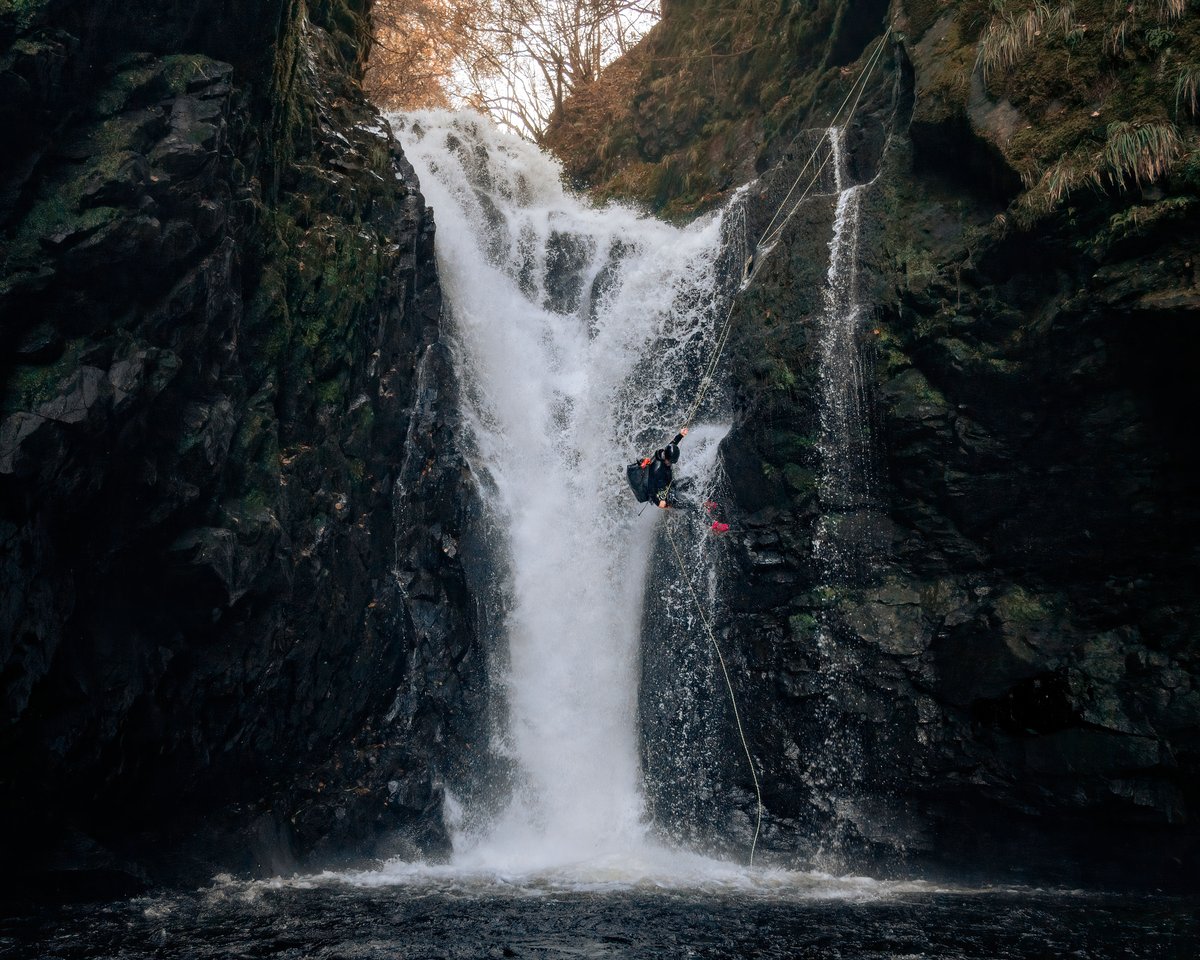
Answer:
(651, 477)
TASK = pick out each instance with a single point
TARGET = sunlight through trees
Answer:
(516, 60)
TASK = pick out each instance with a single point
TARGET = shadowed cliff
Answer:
(234, 620)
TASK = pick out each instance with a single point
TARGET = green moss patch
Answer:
(21, 14)
(31, 385)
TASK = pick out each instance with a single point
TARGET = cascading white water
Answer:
(575, 331)
(847, 532)
(579, 335)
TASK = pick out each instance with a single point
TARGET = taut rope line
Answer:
(856, 91)
(728, 685)
(774, 230)
(769, 237)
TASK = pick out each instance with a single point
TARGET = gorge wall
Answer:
(1007, 683)
(234, 624)
(236, 628)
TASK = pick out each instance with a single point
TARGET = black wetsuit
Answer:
(659, 480)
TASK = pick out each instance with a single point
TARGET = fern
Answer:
(1139, 152)
(1009, 36)
(1158, 37)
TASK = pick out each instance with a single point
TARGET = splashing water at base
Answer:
(578, 335)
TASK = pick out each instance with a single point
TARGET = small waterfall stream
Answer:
(848, 488)
(848, 535)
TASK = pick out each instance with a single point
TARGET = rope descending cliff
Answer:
(762, 249)
(774, 230)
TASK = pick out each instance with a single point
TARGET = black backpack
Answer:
(639, 480)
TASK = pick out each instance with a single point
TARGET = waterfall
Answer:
(849, 530)
(848, 487)
(578, 334)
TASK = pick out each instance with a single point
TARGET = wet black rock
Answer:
(1009, 680)
(999, 672)
(234, 631)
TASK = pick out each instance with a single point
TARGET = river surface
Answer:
(331, 919)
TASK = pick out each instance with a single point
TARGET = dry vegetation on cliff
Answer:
(1098, 89)
(516, 61)
(1073, 95)
(699, 106)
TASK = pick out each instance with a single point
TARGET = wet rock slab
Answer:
(220, 369)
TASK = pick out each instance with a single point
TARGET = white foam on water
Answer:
(650, 871)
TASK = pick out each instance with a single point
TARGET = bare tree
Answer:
(414, 57)
(517, 60)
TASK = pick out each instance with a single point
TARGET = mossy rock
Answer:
(20, 15)
(31, 385)
(913, 397)
(804, 627)
(1019, 606)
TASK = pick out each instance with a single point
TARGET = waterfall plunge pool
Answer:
(463, 920)
(576, 334)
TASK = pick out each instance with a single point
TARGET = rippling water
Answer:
(397, 915)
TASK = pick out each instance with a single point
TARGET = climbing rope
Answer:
(766, 243)
(728, 685)
(774, 229)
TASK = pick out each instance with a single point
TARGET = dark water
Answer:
(336, 922)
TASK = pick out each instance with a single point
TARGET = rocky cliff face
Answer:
(233, 627)
(1005, 677)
